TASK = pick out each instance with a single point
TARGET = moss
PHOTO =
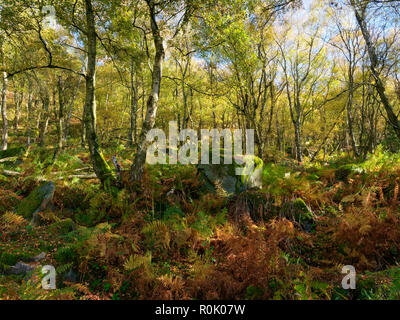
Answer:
(343, 172)
(35, 199)
(102, 228)
(249, 171)
(12, 152)
(107, 176)
(62, 227)
(302, 212)
(10, 259)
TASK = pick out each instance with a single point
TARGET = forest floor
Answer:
(170, 238)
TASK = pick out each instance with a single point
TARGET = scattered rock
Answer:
(70, 276)
(20, 268)
(38, 201)
(39, 257)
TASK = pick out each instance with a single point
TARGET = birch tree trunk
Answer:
(4, 111)
(350, 111)
(133, 110)
(137, 168)
(18, 97)
(360, 11)
(29, 115)
(60, 122)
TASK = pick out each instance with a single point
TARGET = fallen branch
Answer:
(11, 173)
(79, 176)
(75, 170)
(8, 159)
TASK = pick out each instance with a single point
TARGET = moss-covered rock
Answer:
(302, 211)
(252, 172)
(298, 212)
(37, 201)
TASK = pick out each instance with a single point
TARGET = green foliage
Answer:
(12, 152)
(62, 227)
(391, 142)
(100, 206)
(66, 255)
(384, 285)
(203, 224)
(173, 213)
(302, 211)
(280, 180)
(254, 293)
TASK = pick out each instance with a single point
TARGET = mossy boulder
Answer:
(38, 200)
(251, 177)
(12, 152)
(227, 178)
(298, 212)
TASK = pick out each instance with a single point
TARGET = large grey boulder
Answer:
(226, 179)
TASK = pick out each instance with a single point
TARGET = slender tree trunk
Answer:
(68, 120)
(4, 111)
(29, 116)
(278, 132)
(152, 102)
(133, 110)
(18, 97)
(360, 10)
(297, 131)
(350, 113)
(185, 105)
(83, 135)
(44, 118)
(272, 110)
(297, 128)
(100, 166)
(184, 71)
(60, 122)
(38, 118)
